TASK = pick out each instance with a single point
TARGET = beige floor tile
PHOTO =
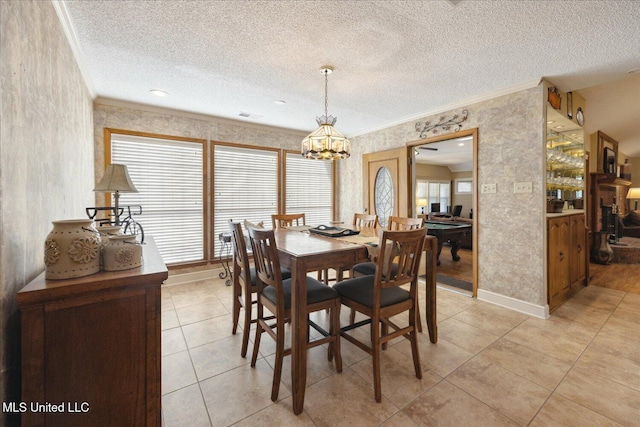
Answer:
(218, 357)
(627, 313)
(619, 338)
(177, 372)
(447, 405)
(239, 393)
(166, 303)
(631, 301)
(589, 315)
(605, 362)
(539, 368)
(169, 319)
(185, 407)
(400, 419)
(450, 303)
(399, 382)
(565, 346)
(511, 394)
(206, 331)
(441, 358)
(279, 414)
(345, 400)
(173, 341)
(561, 412)
(464, 335)
(595, 296)
(491, 318)
(602, 395)
(198, 312)
(192, 293)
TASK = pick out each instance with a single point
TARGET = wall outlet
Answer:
(522, 187)
(488, 188)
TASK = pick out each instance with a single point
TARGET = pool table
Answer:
(448, 231)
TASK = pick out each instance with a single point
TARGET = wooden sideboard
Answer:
(91, 347)
(567, 257)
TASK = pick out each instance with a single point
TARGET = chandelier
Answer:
(326, 143)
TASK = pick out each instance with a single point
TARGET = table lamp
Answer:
(116, 179)
(634, 193)
(422, 203)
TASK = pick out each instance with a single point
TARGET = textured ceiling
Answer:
(393, 60)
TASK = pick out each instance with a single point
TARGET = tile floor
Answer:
(490, 367)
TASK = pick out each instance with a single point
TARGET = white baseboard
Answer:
(534, 310)
(179, 279)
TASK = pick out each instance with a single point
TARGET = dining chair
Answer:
(360, 220)
(244, 282)
(380, 297)
(368, 268)
(287, 220)
(275, 296)
(364, 220)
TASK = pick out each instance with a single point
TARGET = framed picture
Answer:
(609, 159)
(607, 153)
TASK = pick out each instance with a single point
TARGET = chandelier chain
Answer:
(326, 92)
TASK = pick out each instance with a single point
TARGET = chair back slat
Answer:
(399, 258)
(267, 260)
(401, 223)
(364, 220)
(240, 257)
(287, 220)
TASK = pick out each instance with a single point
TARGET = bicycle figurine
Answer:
(128, 224)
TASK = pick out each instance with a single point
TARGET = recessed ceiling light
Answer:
(550, 121)
(281, 102)
(461, 144)
(559, 127)
(158, 92)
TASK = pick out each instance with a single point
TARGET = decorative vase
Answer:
(72, 249)
(121, 253)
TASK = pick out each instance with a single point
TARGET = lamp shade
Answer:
(634, 193)
(116, 178)
(422, 202)
(326, 143)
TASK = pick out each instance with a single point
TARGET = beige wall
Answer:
(466, 200)
(46, 157)
(511, 247)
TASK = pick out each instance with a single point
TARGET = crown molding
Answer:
(196, 116)
(65, 21)
(455, 105)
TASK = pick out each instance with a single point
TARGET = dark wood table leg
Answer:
(299, 335)
(455, 246)
(431, 258)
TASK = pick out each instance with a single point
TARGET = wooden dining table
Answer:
(303, 252)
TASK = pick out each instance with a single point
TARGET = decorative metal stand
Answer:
(225, 247)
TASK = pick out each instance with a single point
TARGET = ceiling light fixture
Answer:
(280, 102)
(326, 143)
(158, 92)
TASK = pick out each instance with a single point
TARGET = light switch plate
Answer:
(488, 188)
(522, 187)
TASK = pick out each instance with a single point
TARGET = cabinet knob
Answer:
(561, 254)
(579, 248)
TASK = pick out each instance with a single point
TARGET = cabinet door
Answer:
(558, 260)
(578, 248)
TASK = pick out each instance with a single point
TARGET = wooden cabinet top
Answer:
(153, 271)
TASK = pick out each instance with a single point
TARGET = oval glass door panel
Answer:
(383, 195)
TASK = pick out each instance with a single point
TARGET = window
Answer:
(245, 186)
(439, 192)
(169, 176)
(464, 186)
(309, 188)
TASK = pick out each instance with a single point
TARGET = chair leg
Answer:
(375, 332)
(418, 320)
(277, 370)
(352, 317)
(334, 330)
(247, 323)
(256, 341)
(385, 331)
(236, 305)
(413, 336)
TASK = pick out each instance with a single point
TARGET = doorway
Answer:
(443, 189)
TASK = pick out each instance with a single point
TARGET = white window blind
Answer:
(169, 177)
(439, 192)
(245, 187)
(309, 189)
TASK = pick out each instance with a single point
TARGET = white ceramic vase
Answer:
(72, 249)
(121, 253)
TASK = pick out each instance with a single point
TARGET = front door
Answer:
(386, 181)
